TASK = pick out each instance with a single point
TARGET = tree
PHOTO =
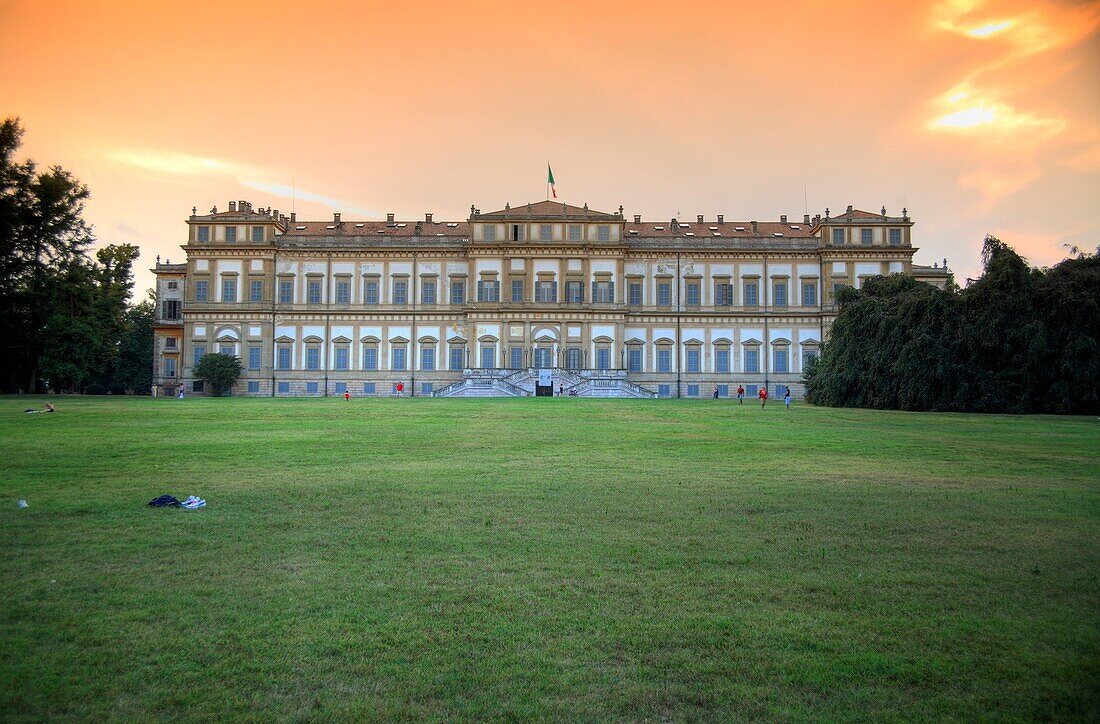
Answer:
(219, 371)
(42, 232)
(133, 370)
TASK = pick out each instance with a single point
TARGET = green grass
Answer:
(546, 558)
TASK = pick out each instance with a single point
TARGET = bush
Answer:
(219, 372)
(96, 389)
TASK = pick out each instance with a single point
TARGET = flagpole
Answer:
(548, 179)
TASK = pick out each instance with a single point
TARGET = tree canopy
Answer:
(1017, 340)
(219, 372)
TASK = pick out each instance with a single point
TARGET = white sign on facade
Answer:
(546, 377)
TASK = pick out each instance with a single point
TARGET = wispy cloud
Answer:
(174, 163)
(296, 193)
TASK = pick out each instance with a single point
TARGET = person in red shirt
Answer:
(400, 388)
(740, 394)
(347, 396)
(763, 395)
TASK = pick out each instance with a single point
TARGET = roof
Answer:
(375, 229)
(715, 230)
(548, 210)
(861, 215)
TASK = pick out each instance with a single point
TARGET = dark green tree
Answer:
(219, 372)
(133, 371)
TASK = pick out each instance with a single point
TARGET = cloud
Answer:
(965, 108)
(291, 192)
(996, 185)
(174, 163)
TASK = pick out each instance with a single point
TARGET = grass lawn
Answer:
(545, 558)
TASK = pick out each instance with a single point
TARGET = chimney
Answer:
(336, 217)
(428, 218)
(806, 219)
(637, 218)
(754, 228)
(232, 205)
(782, 218)
(389, 220)
(721, 218)
(243, 206)
(699, 219)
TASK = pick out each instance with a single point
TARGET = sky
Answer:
(978, 116)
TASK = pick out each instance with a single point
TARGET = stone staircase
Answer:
(521, 383)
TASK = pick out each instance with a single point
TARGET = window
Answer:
(229, 349)
(170, 309)
(457, 359)
(722, 359)
(370, 291)
(603, 358)
(257, 233)
(229, 290)
(341, 388)
(313, 291)
(458, 291)
(574, 292)
(313, 357)
(545, 233)
(286, 291)
(664, 390)
(198, 386)
(427, 358)
(283, 361)
(203, 233)
(490, 232)
(693, 360)
(488, 357)
(693, 391)
(574, 232)
(426, 388)
(488, 290)
(808, 356)
(198, 351)
(284, 388)
(750, 391)
(398, 357)
(865, 237)
(634, 293)
(780, 293)
(173, 285)
(693, 294)
(838, 237)
(546, 291)
(752, 360)
(780, 360)
(253, 386)
(170, 342)
(752, 294)
(255, 291)
(837, 286)
(895, 237)
(723, 294)
(723, 390)
(169, 366)
(400, 291)
(312, 388)
(517, 290)
(427, 291)
(573, 358)
(603, 292)
(515, 360)
(543, 355)
(664, 294)
(368, 388)
(340, 361)
(603, 233)
(201, 290)
(809, 294)
(664, 359)
(370, 356)
(780, 391)
(634, 358)
(253, 358)
(230, 234)
(343, 291)
(518, 232)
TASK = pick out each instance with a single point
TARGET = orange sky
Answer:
(980, 117)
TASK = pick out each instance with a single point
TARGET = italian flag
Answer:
(550, 179)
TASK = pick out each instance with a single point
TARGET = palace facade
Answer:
(611, 306)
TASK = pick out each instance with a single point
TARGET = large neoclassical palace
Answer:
(485, 306)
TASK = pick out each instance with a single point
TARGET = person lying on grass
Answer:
(49, 408)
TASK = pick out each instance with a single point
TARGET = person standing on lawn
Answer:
(763, 395)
